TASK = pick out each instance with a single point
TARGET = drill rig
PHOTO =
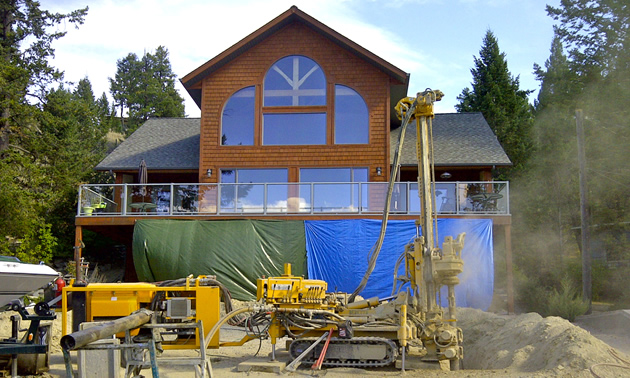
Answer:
(374, 332)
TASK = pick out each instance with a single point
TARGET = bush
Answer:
(566, 302)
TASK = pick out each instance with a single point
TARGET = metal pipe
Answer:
(80, 338)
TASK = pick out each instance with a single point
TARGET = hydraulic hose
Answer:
(224, 320)
(376, 249)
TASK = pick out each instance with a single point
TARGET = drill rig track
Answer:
(361, 352)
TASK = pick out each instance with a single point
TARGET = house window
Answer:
(239, 176)
(237, 120)
(334, 189)
(253, 190)
(351, 117)
(294, 129)
(295, 81)
(294, 103)
(294, 109)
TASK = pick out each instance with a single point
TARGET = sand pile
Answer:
(530, 343)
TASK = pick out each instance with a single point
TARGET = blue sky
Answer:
(434, 41)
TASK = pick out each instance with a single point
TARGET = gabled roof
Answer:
(459, 139)
(163, 143)
(192, 80)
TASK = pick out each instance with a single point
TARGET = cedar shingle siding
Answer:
(339, 66)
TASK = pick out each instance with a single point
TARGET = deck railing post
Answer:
(124, 199)
(80, 200)
(172, 201)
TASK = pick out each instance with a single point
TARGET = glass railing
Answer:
(459, 198)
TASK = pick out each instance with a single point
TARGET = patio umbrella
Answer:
(142, 176)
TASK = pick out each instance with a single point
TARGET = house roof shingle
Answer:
(459, 139)
(163, 143)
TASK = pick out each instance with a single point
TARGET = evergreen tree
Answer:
(25, 49)
(597, 37)
(596, 34)
(145, 88)
(544, 195)
(28, 180)
(496, 94)
(594, 76)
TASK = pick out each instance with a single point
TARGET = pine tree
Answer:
(544, 195)
(25, 49)
(594, 76)
(28, 183)
(496, 94)
(146, 88)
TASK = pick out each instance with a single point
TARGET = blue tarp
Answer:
(338, 250)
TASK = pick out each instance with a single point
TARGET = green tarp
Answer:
(237, 251)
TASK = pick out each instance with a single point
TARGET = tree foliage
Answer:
(497, 95)
(145, 88)
(25, 48)
(52, 137)
(596, 34)
(589, 69)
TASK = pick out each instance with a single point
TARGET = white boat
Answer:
(18, 278)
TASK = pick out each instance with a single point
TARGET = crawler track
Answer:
(356, 352)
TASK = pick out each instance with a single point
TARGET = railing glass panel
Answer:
(460, 198)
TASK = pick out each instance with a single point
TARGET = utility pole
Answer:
(587, 287)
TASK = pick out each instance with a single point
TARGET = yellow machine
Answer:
(182, 303)
(372, 332)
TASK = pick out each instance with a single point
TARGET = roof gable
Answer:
(193, 80)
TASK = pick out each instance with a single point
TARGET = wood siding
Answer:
(340, 66)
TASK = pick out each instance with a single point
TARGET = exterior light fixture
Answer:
(379, 171)
(446, 175)
(209, 172)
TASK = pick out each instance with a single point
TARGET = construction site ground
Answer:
(525, 345)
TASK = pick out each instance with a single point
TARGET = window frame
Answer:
(254, 111)
(324, 109)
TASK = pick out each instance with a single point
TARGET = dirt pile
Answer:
(529, 343)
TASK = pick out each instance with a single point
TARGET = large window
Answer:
(295, 109)
(295, 81)
(351, 116)
(253, 190)
(237, 120)
(337, 189)
(295, 129)
(294, 104)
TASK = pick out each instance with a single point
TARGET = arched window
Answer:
(295, 81)
(294, 109)
(294, 103)
(237, 120)
(351, 117)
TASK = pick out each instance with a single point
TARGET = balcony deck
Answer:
(120, 204)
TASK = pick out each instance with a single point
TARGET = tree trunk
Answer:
(7, 22)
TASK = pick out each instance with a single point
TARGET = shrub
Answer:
(566, 302)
